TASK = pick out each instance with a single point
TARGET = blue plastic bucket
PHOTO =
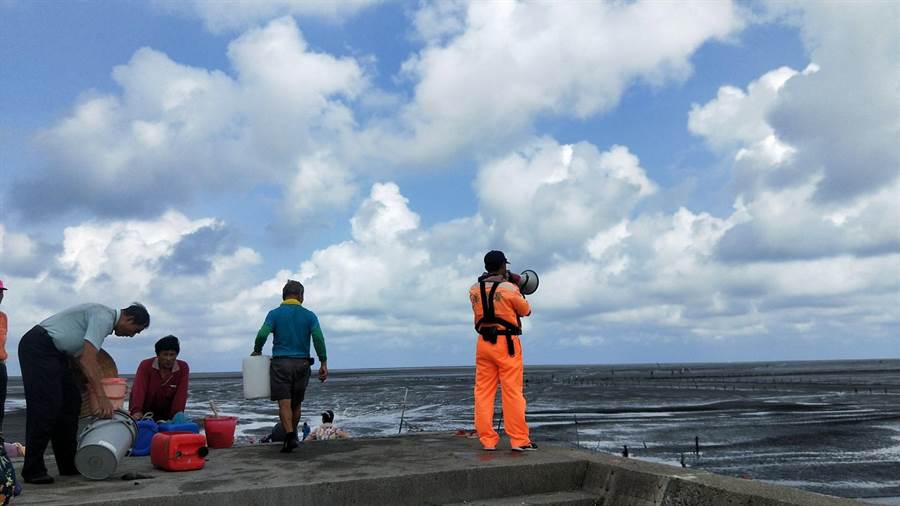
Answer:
(146, 429)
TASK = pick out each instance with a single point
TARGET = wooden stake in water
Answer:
(403, 411)
(577, 438)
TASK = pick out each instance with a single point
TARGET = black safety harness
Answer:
(489, 317)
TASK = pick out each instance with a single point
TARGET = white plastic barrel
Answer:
(103, 443)
(256, 377)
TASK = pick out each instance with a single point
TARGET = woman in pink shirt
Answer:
(328, 430)
(161, 383)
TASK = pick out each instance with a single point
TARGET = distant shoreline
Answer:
(619, 367)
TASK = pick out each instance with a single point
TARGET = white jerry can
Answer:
(256, 377)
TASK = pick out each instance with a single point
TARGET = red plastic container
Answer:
(178, 451)
(220, 430)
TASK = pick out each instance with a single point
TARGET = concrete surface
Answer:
(417, 469)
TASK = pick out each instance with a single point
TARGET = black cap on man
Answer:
(494, 260)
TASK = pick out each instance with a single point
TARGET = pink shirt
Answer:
(327, 431)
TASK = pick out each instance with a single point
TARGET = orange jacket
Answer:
(509, 303)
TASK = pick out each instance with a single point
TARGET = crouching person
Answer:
(328, 430)
(161, 383)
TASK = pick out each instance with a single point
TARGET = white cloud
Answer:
(321, 184)
(392, 282)
(436, 22)
(124, 250)
(738, 117)
(583, 341)
(852, 140)
(645, 276)
(515, 61)
(290, 91)
(814, 181)
(792, 258)
(219, 17)
(559, 195)
(384, 216)
(176, 131)
(15, 247)
(790, 223)
(641, 277)
(688, 243)
(115, 262)
(649, 276)
(736, 123)
(386, 272)
(606, 239)
(675, 284)
(815, 236)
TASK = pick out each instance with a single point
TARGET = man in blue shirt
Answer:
(52, 396)
(293, 326)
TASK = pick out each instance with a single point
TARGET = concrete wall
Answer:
(628, 482)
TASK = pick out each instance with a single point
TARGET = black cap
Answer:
(494, 260)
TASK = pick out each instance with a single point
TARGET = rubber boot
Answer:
(290, 442)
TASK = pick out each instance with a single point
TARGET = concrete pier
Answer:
(414, 470)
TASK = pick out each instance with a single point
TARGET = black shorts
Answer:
(288, 378)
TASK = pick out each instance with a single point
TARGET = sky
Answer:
(693, 181)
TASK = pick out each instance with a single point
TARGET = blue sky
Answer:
(701, 188)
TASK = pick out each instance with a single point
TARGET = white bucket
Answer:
(103, 443)
(256, 377)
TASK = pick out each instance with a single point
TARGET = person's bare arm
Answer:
(91, 370)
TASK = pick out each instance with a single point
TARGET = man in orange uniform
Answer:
(3, 357)
(498, 306)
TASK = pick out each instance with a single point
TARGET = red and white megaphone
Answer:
(528, 281)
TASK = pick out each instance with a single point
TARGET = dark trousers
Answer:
(3, 380)
(52, 404)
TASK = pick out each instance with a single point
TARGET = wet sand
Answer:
(14, 426)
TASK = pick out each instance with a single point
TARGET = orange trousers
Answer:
(494, 365)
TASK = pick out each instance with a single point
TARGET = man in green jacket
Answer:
(293, 327)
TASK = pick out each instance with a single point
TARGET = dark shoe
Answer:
(530, 447)
(67, 468)
(40, 480)
(290, 442)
